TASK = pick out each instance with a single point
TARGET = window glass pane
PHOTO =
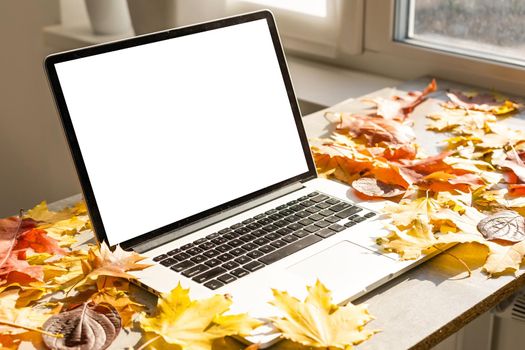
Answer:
(309, 7)
(484, 27)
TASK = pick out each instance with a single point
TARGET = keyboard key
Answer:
(226, 278)
(281, 223)
(250, 246)
(253, 226)
(310, 229)
(303, 198)
(307, 203)
(208, 275)
(213, 262)
(316, 217)
(333, 201)
(284, 231)
(264, 221)
(247, 221)
(239, 272)
(259, 233)
(275, 217)
(347, 212)
(261, 241)
(243, 259)
(313, 194)
(286, 212)
(194, 251)
(290, 249)
(292, 218)
(199, 241)
(194, 271)
(237, 251)
(319, 198)
(225, 257)
(182, 266)
(225, 230)
(290, 238)
(174, 251)
(231, 265)
(303, 214)
(281, 207)
(370, 215)
(322, 224)
(350, 224)
(230, 236)
(295, 227)
(260, 216)
(242, 230)
(323, 205)
(213, 235)
(213, 284)
(296, 207)
(182, 256)
(305, 222)
(254, 254)
(333, 219)
(267, 249)
(219, 240)
(207, 245)
(198, 259)
(272, 236)
(278, 244)
(168, 262)
(212, 253)
(270, 228)
(327, 212)
(253, 266)
(247, 237)
(290, 203)
(340, 206)
(160, 257)
(223, 248)
(336, 228)
(359, 219)
(312, 210)
(352, 217)
(235, 242)
(302, 233)
(271, 211)
(187, 246)
(236, 226)
(325, 233)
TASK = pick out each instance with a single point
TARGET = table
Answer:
(424, 306)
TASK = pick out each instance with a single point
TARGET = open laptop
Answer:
(190, 149)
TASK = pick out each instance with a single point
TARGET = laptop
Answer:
(190, 149)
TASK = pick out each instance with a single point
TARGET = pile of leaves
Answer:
(54, 293)
(472, 191)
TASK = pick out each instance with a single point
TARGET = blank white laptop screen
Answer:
(172, 128)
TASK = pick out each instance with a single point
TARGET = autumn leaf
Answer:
(318, 322)
(64, 230)
(374, 188)
(461, 122)
(506, 225)
(102, 262)
(491, 103)
(194, 324)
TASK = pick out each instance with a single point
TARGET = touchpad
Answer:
(346, 268)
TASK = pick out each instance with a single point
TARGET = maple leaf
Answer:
(461, 122)
(502, 136)
(38, 241)
(16, 320)
(504, 258)
(318, 322)
(102, 262)
(63, 230)
(194, 324)
(120, 300)
(491, 103)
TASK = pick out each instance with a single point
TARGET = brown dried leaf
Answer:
(506, 225)
(375, 188)
(88, 326)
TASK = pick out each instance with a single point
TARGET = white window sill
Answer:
(316, 85)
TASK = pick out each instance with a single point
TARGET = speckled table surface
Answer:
(430, 302)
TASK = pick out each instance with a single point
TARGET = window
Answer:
(489, 29)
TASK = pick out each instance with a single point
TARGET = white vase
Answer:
(109, 17)
(151, 15)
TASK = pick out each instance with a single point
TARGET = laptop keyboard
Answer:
(236, 251)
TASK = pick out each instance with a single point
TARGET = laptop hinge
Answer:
(213, 219)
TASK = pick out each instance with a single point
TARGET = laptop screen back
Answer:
(172, 128)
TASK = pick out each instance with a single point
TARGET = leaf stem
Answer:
(11, 324)
(143, 346)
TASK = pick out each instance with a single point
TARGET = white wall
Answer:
(35, 161)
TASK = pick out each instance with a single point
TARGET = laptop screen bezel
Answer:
(89, 195)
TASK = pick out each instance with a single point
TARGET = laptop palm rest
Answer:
(343, 265)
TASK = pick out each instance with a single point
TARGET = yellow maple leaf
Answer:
(121, 301)
(461, 122)
(318, 322)
(194, 324)
(63, 229)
